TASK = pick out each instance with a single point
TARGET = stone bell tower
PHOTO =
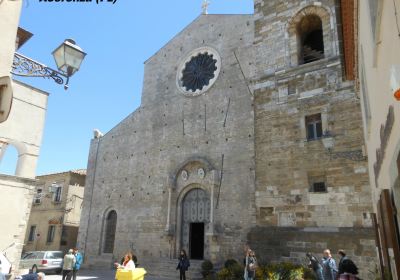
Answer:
(312, 185)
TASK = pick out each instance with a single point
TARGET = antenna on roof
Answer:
(204, 7)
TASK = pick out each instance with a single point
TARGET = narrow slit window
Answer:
(57, 194)
(50, 234)
(32, 233)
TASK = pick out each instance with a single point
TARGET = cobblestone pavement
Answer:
(93, 275)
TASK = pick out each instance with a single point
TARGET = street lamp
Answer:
(68, 57)
(328, 141)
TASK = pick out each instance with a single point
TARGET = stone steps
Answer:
(160, 269)
(165, 269)
(105, 262)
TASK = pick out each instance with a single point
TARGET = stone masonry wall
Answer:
(253, 117)
(139, 162)
(291, 218)
(291, 245)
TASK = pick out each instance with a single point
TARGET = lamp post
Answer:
(328, 141)
(68, 57)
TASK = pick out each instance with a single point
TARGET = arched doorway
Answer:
(195, 219)
(109, 233)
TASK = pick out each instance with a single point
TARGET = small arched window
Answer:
(311, 39)
(110, 228)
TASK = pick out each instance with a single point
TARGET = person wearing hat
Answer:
(68, 266)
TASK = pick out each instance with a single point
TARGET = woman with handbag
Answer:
(251, 266)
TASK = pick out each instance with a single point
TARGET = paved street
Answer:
(93, 274)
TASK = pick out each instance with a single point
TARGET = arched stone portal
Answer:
(196, 208)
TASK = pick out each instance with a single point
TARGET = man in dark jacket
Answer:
(346, 265)
(315, 266)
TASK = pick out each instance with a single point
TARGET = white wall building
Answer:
(379, 75)
(22, 128)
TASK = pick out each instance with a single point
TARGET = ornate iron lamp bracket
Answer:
(25, 67)
(350, 155)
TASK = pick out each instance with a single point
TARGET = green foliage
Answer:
(283, 271)
(224, 274)
(207, 266)
(277, 271)
(309, 274)
(230, 262)
(207, 269)
(234, 271)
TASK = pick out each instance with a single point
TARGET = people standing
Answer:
(347, 268)
(247, 251)
(78, 263)
(127, 263)
(183, 265)
(68, 266)
(251, 266)
(315, 265)
(134, 259)
(329, 266)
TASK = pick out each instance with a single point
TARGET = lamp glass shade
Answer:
(68, 57)
(328, 142)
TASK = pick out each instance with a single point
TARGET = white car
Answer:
(5, 267)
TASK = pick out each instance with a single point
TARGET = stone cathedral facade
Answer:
(248, 133)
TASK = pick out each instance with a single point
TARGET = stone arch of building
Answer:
(22, 151)
(109, 230)
(310, 19)
(182, 224)
(195, 172)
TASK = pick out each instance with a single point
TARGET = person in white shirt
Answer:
(128, 263)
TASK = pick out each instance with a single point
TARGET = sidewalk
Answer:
(94, 275)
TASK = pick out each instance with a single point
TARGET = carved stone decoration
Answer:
(196, 208)
(184, 175)
(201, 173)
(198, 72)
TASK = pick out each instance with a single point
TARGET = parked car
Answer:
(5, 266)
(42, 261)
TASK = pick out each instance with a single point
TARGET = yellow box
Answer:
(135, 274)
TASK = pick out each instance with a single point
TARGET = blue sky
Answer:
(118, 39)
